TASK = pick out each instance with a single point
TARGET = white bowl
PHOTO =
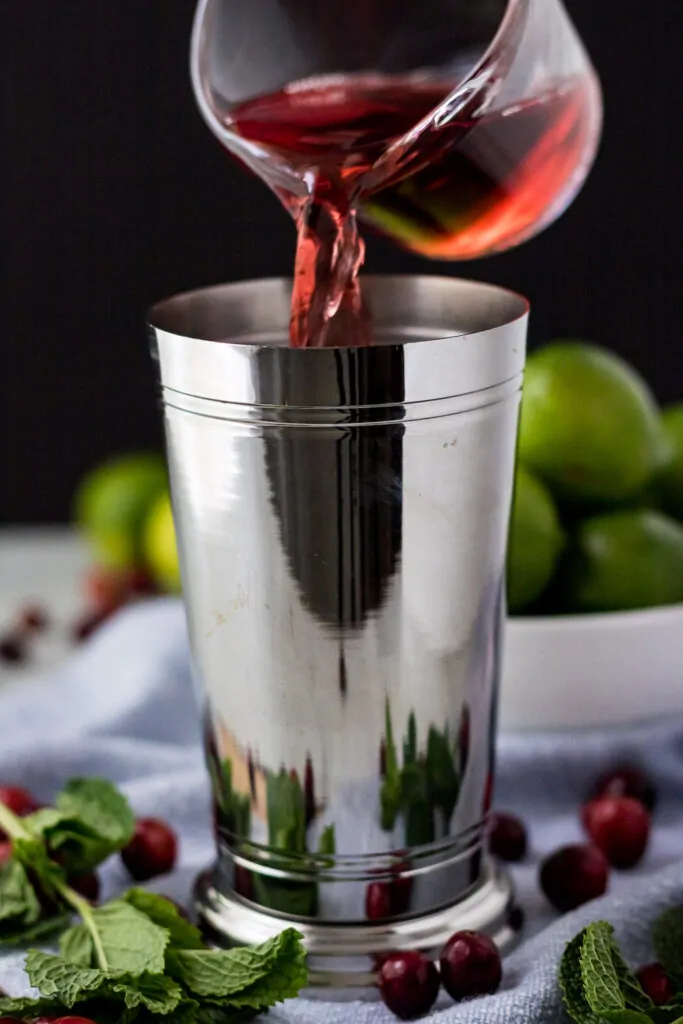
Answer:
(580, 671)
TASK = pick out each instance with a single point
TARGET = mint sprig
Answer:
(180, 985)
(135, 958)
(90, 822)
(598, 987)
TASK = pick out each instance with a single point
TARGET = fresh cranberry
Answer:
(5, 852)
(409, 984)
(18, 800)
(86, 885)
(378, 901)
(72, 1020)
(507, 837)
(470, 965)
(620, 827)
(152, 850)
(627, 781)
(33, 619)
(655, 984)
(12, 649)
(574, 875)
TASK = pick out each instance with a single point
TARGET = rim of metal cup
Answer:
(204, 313)
(225, 349)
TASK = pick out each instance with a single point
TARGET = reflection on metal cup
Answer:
(342, 517)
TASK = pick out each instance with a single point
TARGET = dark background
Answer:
(115, 194)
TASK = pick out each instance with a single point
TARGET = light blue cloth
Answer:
(123, 707)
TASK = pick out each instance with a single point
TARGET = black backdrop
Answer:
(114, 194)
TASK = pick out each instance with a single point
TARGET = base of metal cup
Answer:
(347, 956)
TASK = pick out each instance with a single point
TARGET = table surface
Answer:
(46, 566)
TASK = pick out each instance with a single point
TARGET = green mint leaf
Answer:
(626, 1017)
(100, 806)
(155, 992)
(29, 1008)
(667, 938)
(571, 983)
(76, 946)
(18, 900)
(246, 978)
(131, 941)
(183, 935)
(80, 848)
(33, 856)
(600, 978)
(56, 978)
(286, 813)
(41, 821)
(327, 844)
(92, 820)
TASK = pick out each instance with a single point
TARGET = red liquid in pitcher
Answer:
(464, 187)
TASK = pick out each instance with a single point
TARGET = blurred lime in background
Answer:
(160, 548)
(599, 488)
(112, 503)
(536, 541)
(590, 426)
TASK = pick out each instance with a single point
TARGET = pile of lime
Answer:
(123, 508)
(597, 521)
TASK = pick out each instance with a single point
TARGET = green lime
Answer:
(536, 541)
(670, 481)
(112, 502)
(624, 560)
(590, 425)
(161, 551)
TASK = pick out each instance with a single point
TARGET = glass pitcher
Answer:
(458, 128)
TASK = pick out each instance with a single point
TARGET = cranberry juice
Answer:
(459, 187)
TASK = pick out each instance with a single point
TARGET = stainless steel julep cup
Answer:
(342, 517)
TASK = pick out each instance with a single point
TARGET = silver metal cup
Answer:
(342, 518)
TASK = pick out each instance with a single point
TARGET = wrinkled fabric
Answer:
(124, 707)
